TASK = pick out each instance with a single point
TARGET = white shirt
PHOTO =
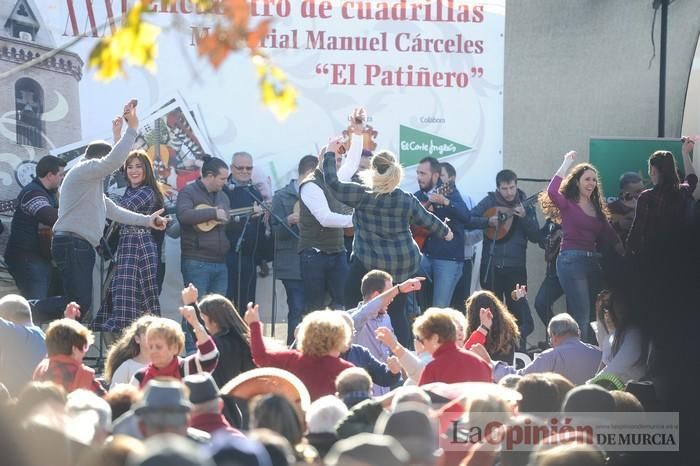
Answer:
(626, 364)
(125, 372)
(312, 195)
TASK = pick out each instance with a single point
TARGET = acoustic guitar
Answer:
(421, 234)
(209, 225)
(506, 218)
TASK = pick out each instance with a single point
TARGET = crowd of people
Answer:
(388, 350)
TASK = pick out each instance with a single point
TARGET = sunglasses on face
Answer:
(630, 196)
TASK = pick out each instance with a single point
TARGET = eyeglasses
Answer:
(418, 339)
(248, 168)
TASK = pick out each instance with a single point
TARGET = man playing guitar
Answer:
(204, 252)
(503, 260)
(443, 260)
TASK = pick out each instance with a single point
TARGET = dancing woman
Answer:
(578, 204)
(383, 214)
(134, 288)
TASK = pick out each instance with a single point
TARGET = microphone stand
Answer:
(274, 256)
(237, 250)
(490, 267)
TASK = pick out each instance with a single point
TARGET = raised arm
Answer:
(313, 198)
(553, 189)
(102, 167)
(354, 153)
(207, 356)
(261, 355)
(686, 149)
(350, 194)
(370, 309)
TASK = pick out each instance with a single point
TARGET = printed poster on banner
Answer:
(429, 72)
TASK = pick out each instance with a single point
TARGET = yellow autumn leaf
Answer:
(133, 42)
(277, 94)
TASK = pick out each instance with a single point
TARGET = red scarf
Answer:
(171, 370)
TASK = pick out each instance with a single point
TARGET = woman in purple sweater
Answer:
(578, 204)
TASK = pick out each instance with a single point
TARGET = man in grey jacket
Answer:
(287, 262)
(84, 208)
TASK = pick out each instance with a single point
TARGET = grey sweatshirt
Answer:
(83, 206)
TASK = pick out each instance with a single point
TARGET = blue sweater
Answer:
(380, 373)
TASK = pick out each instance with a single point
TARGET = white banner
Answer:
(429, 72)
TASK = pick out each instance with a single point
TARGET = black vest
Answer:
(313, 234)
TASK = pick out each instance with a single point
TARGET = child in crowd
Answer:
(166, 341)
(67, 342)
(128, 354)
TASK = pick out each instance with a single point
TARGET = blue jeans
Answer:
(295, 305)
(75, 259)
(580, 276)
(207, 277)
(463, 288)
(241, 291)
(323, 274)
(445, 275)
(550, 290)
(32, 274)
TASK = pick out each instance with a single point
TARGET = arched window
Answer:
(29, 105)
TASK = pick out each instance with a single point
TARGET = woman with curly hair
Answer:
(578, 204)
(128, 354)
(503, 336)
(134, 288)
(322, 337)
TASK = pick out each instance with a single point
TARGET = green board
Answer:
(615, 156)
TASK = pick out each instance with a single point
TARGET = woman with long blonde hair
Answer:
(577, 201)
(382, 219)
(128, 354)
(134, 289)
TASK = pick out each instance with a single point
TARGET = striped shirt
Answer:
(382, 235)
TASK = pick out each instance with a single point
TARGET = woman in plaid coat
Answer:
(382, 218)
(134, 288)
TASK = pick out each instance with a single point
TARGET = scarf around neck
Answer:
(152, 372)
(500, 200)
